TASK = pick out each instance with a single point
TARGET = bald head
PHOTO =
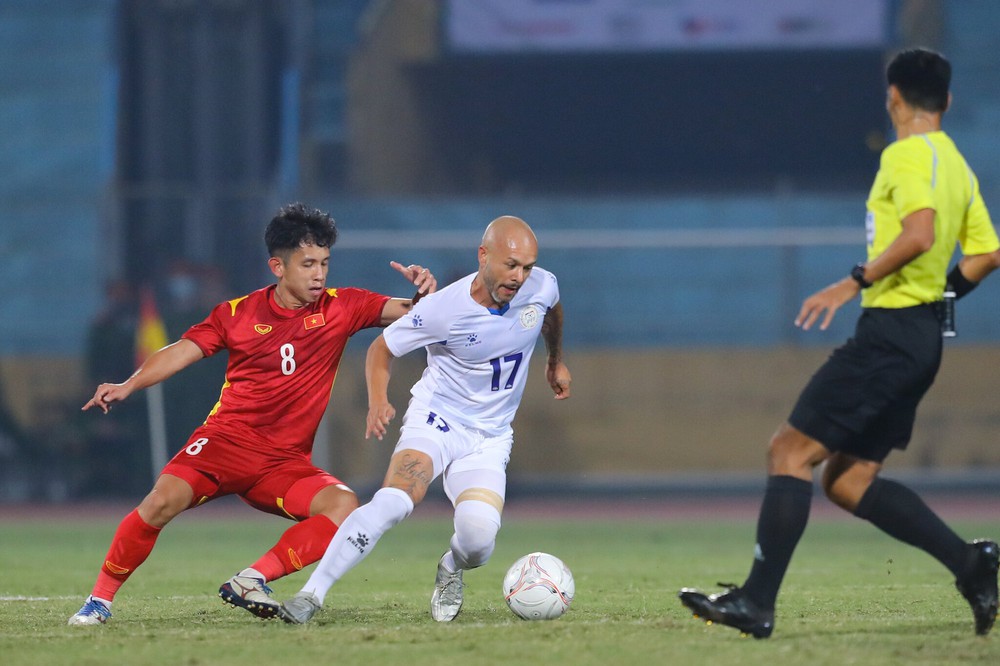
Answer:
(506, 257)
(509, 232)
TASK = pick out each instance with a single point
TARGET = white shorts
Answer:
(454, 448)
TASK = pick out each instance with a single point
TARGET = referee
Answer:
(862, 402)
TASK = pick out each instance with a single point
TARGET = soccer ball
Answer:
(538, 587)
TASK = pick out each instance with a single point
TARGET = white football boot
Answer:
(446, 600)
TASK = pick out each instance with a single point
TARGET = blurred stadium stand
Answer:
(703, 273)
(55, 163)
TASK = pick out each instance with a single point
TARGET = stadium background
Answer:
(691, 174)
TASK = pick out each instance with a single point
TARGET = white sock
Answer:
(476, 527)
(448, 562)
(356, 538)
(106, 602)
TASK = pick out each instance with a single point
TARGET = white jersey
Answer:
(477, 357)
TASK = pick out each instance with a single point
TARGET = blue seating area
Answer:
(56, 131)
(972, 42)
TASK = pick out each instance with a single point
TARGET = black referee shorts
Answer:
(863, 399)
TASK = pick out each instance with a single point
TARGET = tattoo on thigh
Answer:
(411, 472)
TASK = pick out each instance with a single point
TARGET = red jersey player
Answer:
(285, 343)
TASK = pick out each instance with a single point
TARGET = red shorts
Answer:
(280, 482)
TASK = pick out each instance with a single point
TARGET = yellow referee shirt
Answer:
(924, 171)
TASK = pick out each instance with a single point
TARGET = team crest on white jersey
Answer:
(529, 317)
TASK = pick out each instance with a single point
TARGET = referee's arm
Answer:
(975, 267)
(916, 238)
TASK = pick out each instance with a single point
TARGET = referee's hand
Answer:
(825, 303)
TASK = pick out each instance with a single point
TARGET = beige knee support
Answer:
(482, 495)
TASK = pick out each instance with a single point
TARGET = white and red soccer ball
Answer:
(538, 587)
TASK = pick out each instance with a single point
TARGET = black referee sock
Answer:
(900, 513)
(783, 517)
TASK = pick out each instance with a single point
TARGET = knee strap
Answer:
(481, 495)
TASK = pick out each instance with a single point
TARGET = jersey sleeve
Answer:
(551, 289)
(978, 235)
(425, 324)
(364, 307)
(210, 334)
(910, 171)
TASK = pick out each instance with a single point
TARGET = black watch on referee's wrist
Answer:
(858, 274)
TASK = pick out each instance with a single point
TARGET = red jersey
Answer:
(282, 363)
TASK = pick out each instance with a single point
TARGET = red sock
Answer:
(301, 545)
(130, 547)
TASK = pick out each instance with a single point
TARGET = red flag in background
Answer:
(151, 334)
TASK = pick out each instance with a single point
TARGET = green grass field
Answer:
(852, 596)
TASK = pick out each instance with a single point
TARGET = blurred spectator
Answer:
(116, 454)
(68, 459)
(12, 455)
(192, 290)
(117, 458)
(110, 341)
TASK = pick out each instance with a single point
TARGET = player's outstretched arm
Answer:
(425, 283)
(378, 368)
(556, 372)
(163, 364)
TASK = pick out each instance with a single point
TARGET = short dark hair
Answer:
(922, 77)
(297, 224)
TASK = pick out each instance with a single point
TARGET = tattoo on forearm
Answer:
(552, 333)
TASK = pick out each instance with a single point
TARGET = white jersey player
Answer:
(479, 333)
(477, 357)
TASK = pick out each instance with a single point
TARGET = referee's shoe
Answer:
(980, 586)
(732, 608)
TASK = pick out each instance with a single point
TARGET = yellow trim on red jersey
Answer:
(215, 408)
(332, 292)
(236, 301)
